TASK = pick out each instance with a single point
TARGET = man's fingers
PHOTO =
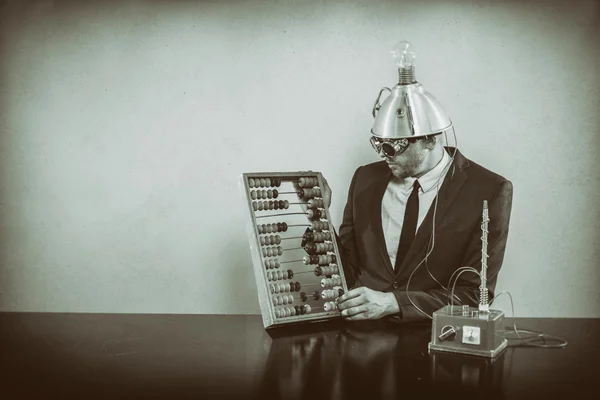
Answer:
(351, 294)
(356, 312)
(354, 302)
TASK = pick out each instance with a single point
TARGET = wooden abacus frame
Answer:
(270, 320)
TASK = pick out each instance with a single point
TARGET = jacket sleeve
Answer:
(345, 239)
(467, 286)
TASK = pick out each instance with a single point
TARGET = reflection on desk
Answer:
(112, 356)
(371, 360)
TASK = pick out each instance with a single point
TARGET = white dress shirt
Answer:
(394, 200)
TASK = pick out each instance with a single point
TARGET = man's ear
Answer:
(429, 142)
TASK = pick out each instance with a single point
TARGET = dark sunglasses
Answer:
(389, 148)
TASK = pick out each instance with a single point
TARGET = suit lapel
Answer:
(378, 190)
(454, 180)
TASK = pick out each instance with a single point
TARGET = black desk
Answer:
(211, 357)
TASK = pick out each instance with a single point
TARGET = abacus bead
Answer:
(326, 307)
(281, 204)
(316, 295)
(262, 240)
(286, 204)
(290, 298)
(340, 292)
(306, 309)
(269, 252)
(271, 206)
(277, 239)
(279, 250)
(297, 286)
(301, 182)
(290, 273)
(267, 182)
(255, 206)
(275, 193)
(285, 227)
(277, 263)
(262, 182)
(253, 195)
(251, 182)
(318, 271)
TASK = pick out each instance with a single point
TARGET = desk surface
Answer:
(214, 357)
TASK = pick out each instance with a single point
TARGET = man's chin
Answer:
(398, 172)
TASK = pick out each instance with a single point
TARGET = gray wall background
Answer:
(125, 127)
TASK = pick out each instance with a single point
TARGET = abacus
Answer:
(296, 259)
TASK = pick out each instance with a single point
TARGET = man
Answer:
(388, 235)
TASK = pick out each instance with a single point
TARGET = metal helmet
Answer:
(409, 110)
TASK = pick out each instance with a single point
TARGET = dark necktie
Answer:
(409, 226)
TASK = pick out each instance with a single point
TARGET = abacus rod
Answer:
(293, 237)
(287, 262)
(277, 215)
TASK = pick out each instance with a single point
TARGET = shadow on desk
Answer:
(371, 360)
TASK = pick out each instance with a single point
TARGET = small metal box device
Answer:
(471, 330)
(466, 330)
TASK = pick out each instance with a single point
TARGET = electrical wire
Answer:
(537, 335)
(460, 271)
(432, 239)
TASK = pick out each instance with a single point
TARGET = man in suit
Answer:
(411, 221)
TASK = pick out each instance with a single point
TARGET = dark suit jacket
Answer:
(456, 240)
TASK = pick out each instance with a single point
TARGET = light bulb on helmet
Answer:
(404, 56)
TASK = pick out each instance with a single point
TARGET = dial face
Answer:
(471, 335)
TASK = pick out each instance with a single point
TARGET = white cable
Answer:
(538, 335)
(451, 163)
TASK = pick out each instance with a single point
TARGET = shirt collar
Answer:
(434, 177)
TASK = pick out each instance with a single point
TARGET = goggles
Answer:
(389, 148)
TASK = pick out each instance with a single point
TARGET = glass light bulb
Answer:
(403, 54)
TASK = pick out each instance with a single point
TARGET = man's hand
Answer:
(364, 303)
